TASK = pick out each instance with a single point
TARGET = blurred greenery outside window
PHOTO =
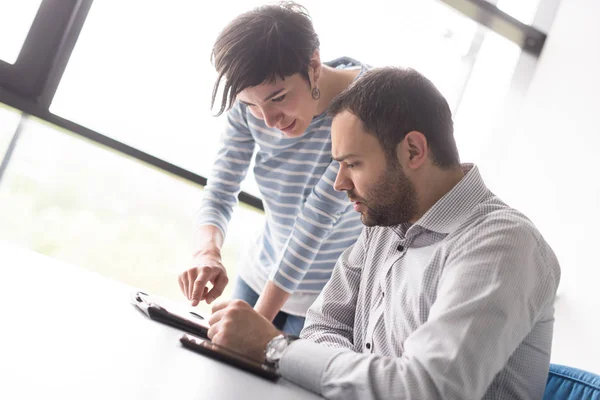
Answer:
(88, 205)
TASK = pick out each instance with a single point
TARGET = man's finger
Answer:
(219, 305)
(213, 331)
(216, 317)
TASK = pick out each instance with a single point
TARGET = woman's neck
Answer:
(333, 81)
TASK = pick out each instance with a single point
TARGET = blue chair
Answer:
(566, 383)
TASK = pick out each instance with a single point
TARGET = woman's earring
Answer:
(316, 93)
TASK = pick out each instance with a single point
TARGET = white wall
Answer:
(546, 162)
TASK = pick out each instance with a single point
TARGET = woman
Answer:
(276, 91)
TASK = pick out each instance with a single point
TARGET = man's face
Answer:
(378, 187)
(285, 104)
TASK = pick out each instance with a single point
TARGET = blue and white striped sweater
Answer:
(308, 224)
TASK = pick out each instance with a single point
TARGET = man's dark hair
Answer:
(392, 102)
(260, 45)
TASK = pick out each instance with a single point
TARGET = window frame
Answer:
(30, 84)
(30, 72)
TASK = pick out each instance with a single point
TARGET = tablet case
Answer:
(191, 322)
(233, 358)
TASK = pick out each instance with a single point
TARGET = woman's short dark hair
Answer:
(392, 102)
(260, 45)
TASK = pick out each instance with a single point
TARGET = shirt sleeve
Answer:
(494, 288)
(228, 171)
(316, 219)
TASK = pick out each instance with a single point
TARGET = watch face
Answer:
(276, 348)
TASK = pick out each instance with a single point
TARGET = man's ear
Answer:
(413, 150)
(314, 68)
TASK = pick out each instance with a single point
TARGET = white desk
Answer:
(66, 333)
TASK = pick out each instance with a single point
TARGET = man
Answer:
(447, 294)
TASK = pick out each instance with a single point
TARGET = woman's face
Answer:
(286, 104)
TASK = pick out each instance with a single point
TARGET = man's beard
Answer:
(391, 201)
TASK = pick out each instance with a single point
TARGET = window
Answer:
(483, 99)
(147, 82)
(150, 87)
(9, 120)
(425, 35)
(33, 32)
(15, 20)
(87, 205)
(523, 10)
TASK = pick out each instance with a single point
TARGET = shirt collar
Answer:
(452, 209)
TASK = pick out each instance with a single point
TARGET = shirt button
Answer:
(368, 345)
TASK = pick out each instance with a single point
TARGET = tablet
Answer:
(233, 358)
(188, 321)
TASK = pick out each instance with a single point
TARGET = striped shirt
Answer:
(458, 305)
(308, 224)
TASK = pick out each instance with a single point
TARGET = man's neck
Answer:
(434, 186)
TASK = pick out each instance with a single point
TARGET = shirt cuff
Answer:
(304, 363)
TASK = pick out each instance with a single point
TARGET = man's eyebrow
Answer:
(343, 157)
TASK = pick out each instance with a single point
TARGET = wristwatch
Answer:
(276, 347)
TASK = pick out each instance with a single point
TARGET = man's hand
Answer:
(234, 324)
(208, 269)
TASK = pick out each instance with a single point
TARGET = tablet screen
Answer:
(190, 316)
